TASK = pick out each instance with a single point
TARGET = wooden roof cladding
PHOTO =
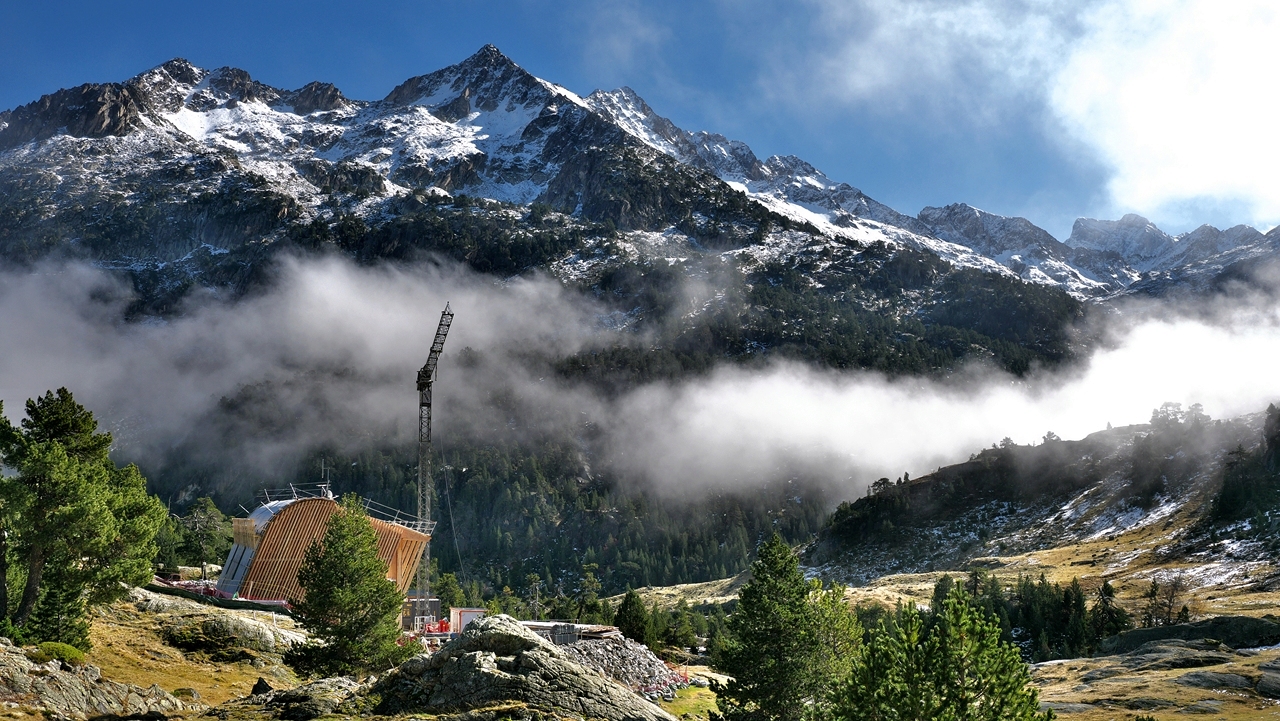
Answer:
(283, 544)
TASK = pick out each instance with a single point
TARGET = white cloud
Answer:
(622, 38)
(947, 56)
(1175, 97)
(326, 358)
(1172, 96)
(741, 426)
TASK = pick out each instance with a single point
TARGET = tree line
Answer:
(796, 650)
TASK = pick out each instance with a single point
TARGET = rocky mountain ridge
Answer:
(180, 160)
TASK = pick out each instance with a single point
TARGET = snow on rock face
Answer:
(1207, 241)
(781, 178)
(484, 126)
(1017, 244)
(1133, 249)
(987, 233)
(786, 185)
(1135, 238)
(488, 128)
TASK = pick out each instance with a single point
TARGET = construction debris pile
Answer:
(630, 664)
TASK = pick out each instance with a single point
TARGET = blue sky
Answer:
(1043, 108)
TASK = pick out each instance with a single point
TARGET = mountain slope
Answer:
(1014, 499)
(199, 177)
(209, 169)
(483, 127)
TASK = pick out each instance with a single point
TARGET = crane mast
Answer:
(425, 378)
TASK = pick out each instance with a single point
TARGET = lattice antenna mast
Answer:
(425, 378)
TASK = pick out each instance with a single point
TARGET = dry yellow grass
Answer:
(128, 648)
(1132, 694)
(694, 594)
(1126, 559)
(691, 703)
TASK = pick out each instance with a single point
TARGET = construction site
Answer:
(270, 544)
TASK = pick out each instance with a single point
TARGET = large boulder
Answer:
(495, 666)
(311, 700)
(496, 660)
(1269, 685)
(78, 692)
(1213, 679)
(221, 634)
(1176, 653)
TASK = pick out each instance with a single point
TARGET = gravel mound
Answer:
(627, 662)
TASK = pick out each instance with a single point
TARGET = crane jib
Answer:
(427, 374)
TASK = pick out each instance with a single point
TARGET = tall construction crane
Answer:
(425, 377)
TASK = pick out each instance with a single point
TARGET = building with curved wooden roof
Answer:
(270, 545)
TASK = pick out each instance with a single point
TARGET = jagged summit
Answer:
(147, 99)
(487, 127)
(489, 55)
(986, 232)
(181, 70)
(1134, 237)
(786, 183)
(488, 75)
(87, 111)
(1018, 244)
(1146, 248)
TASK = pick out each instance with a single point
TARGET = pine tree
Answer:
(208, 533)
(632, 618)
(775, 652)
(1076, 641)
(350, 608)
(59, 615)
(680, 634)
(449, 591)
(956, 668)
(1107, 618)
(69, 504)
(976, 676)
(889, 678)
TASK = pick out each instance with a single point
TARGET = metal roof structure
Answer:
(270, 545)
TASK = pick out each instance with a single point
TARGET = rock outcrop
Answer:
(496, 664)
(87, 111)
(1234, 631)
(497, 660)
(221, 633)
(78, 692)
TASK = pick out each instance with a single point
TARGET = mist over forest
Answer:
(233, 395)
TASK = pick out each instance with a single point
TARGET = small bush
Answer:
(51, 650)
(14, 633)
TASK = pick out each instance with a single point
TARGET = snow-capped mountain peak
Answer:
(1135, 238)
(786, 184)
(1018, 244)
(486, 127)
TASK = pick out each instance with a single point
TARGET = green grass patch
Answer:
(692, 702)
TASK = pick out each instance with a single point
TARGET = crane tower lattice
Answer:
(426, 376)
